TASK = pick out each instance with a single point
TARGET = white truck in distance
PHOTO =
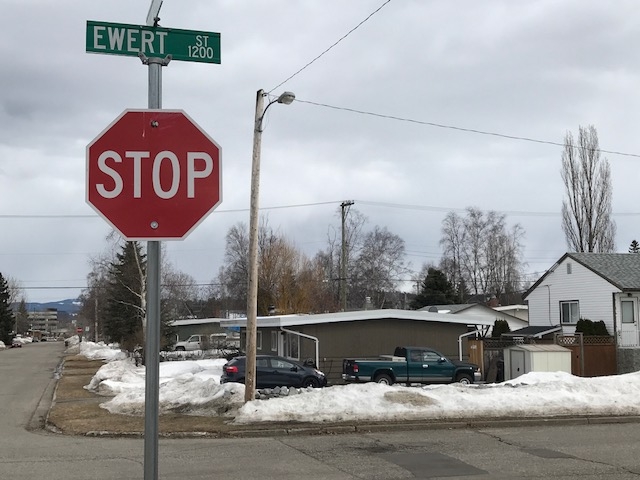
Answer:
(201, 342)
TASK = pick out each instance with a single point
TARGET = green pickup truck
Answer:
(410, 365)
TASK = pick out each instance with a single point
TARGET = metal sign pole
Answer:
(186, 45)
(152, 333)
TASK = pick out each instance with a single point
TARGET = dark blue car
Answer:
(272, 371)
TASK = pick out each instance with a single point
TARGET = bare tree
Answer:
(586, 212)
(232, 277)
(16, 291)
(453, 241)
(179, 293)
(504, 262)
(474, 258)
(378, 268)
(479, 252)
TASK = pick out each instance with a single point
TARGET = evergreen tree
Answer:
(634, 247)
(500, 327)
(126, 302)
(6, 316)
(435, 289)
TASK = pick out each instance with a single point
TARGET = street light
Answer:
(252, 287)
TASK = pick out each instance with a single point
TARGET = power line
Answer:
(238, 210)
(461, 129)
(462, 210)
(521, 213)
(333, 45)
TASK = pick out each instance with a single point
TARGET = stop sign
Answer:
(153, 174)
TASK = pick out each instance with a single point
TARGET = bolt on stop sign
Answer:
(153, 174)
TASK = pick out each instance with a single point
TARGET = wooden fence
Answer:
(591, 356)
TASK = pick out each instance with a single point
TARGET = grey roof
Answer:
(359, 315)
(620, 269)
(533, 331)
(452, 308)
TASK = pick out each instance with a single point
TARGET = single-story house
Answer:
(518, 311)
(327, 339)
(480, 311)
(594, 286)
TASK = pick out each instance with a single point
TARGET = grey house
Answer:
(594, 286)
(328, 338)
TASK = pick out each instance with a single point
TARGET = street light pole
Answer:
(252, 285)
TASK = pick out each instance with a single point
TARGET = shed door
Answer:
(629, 323)
(517, 363)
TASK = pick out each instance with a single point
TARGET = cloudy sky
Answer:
(529, 69)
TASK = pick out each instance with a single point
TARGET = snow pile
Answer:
(193, 387)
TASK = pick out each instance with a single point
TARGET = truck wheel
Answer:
(384, 379)
(464, 379)
(179, 349)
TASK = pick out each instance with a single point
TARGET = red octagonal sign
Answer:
(153, 174)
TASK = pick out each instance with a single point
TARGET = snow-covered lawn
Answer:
(193, 387)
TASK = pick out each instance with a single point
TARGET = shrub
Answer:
(500, 327)
(588, 327)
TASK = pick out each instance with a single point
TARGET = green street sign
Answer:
(132, 40)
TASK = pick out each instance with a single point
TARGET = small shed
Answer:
(525, 358)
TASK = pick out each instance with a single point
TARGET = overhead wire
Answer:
(521, 213)
(461, 129)
(332, 46)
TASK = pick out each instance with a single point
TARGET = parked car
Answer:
(201, 342)
(410, 365)
(16, 343)
(273, 371)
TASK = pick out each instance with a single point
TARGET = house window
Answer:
(628, 311)
(274, 341)
(292, 346)
(569, 312)
(243, 339)
(568, 269)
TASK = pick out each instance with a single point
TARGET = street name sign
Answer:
(133, 40)
(153, 174)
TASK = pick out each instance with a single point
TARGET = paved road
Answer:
(607, 451)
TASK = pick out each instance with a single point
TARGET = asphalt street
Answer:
(604, 448)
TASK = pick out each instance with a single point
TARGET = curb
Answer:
(336, 429)
(39, 418)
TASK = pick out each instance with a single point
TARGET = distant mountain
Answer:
(70, 306)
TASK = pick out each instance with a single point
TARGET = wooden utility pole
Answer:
(343, 257)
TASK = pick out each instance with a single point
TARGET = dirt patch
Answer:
(71, 387)
(416, 399)
(87, 417)
(76, 410)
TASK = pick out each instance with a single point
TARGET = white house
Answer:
(479, 311)
(518, 311)
(594, 286)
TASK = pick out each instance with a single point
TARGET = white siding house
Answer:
(594, 286)
(571, 291)
(479, 311)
